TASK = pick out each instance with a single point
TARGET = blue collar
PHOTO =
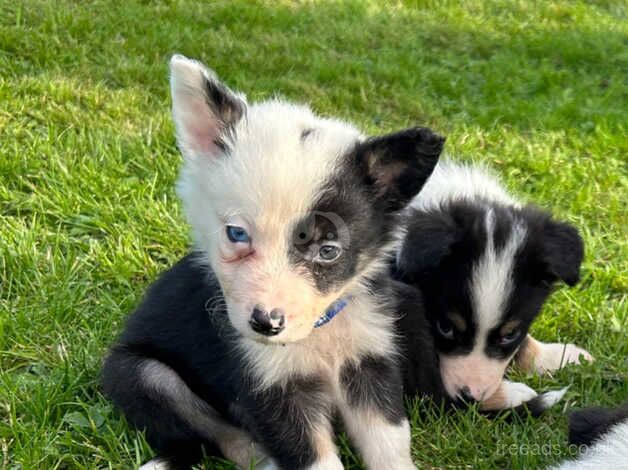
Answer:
(333, 310)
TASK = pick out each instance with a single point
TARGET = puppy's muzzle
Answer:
(466, 395)
(265, 323)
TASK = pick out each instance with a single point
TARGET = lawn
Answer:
(88, 214)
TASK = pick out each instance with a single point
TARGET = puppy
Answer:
(603, 434)
(282, 318)
(484, 265)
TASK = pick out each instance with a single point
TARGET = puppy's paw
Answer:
(329, 462)
(557, 355)
(516, 393)
(508, 395)
(266, 464)
(155, 464)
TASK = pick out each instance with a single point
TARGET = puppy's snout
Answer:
(467, 395)
(265, 323)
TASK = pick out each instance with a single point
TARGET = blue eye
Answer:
(237, 234)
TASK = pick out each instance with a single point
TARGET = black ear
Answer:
(396, 166)
(562, 252)
(429, 238)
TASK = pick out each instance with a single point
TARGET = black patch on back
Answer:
(590, 424)
(374, 383)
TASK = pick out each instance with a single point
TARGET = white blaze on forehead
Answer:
(491, 280)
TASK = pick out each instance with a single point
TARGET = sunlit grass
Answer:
(88, 215)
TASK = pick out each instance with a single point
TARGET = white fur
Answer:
(553, 356)
(517, 393)
(362, 327)
(491, 282)
(328, 462)
(155, 464)
(382, 445)
(609, 452)
(549, 399)
(453, 180)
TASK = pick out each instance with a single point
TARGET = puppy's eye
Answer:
(445, 329)
(237, 234)
(328, 253)
(509, 338)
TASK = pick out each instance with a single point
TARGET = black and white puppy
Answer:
(603, 432)
(484, 264)
(282, 319)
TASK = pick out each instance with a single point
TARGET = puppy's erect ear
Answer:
(562, 252)
(204, 110)
(396, 166)
(429, 238)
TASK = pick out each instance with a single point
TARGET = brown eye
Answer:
(509, 338)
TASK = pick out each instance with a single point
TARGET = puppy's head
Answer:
(291, 209)
(485, 272)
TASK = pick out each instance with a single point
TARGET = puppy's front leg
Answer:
(513, 394)
(293, 424)
(508, 395)
(539, 357)
(373, 413)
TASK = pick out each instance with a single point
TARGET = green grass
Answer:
(88, 215)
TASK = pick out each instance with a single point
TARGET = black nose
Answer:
(267, 324)
(465, 394)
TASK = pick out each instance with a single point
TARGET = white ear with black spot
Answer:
(204, 109)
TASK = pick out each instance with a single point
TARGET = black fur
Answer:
(421, 374)
(376, 383)
(588, 425)
(396, 166)
(281, 419)
(223, 103)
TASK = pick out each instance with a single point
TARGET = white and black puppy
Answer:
(603, 432)
(282, 318)
(484, 264)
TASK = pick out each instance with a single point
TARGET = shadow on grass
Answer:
(486, 64)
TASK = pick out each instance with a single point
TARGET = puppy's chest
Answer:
(358, 335)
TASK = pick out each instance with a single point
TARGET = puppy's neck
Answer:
(365, 327)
